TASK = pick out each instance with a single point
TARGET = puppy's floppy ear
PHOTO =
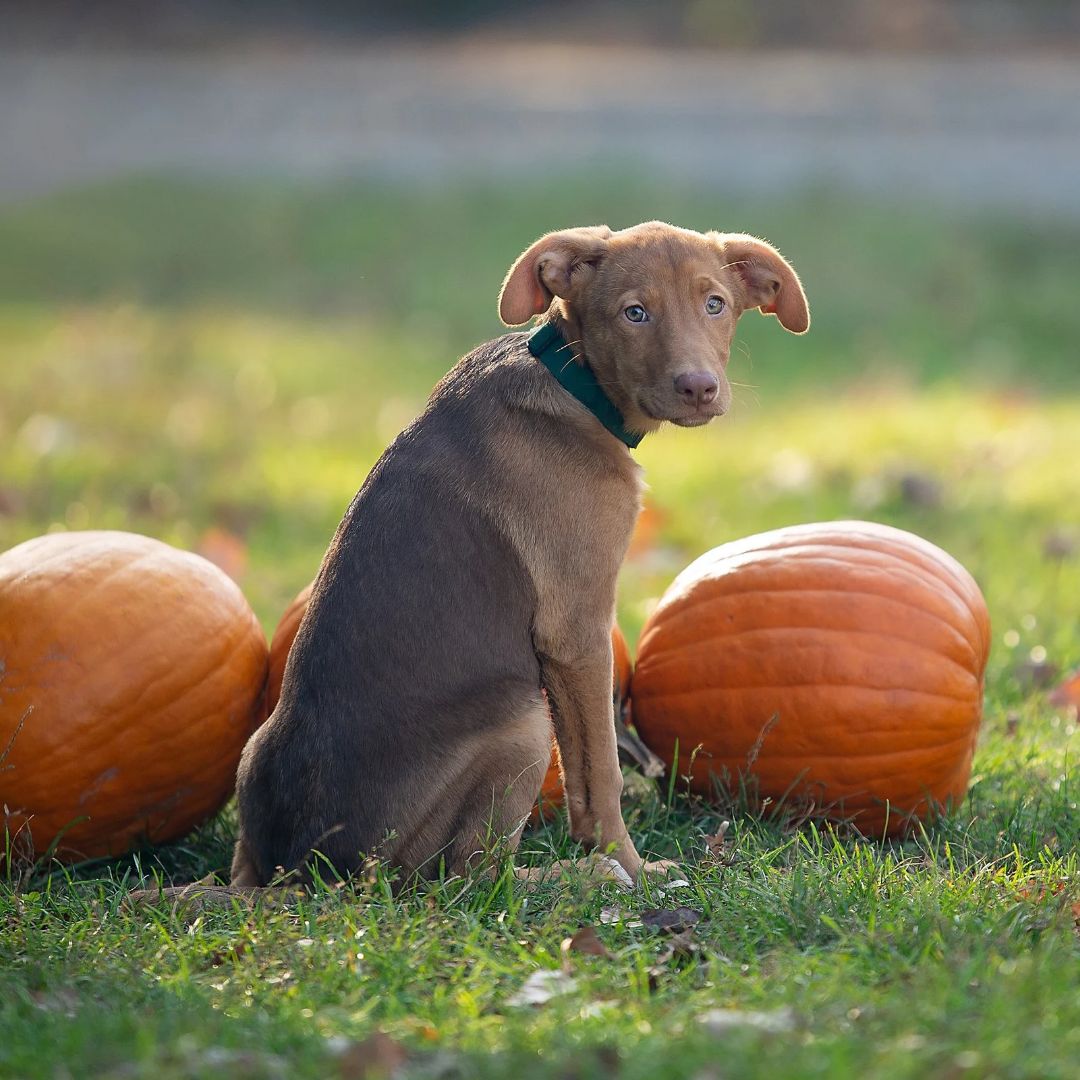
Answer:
(551, 267)
(768, 280)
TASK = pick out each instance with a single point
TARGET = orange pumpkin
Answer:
(551, 792)
(838, 667)
(131, 675)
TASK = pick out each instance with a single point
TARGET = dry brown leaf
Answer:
(585, 941)
(671, 920)
(610, 914)
(541, 986)
(1067, 692)
(1037, 674)
(680, 947)
(228, 953)
(1060, 544)
(376, 1056)
(11, 502)
(225, 550)
(1036, 891)
(646, 532)
(920, 489)
(721, 1021)
(717, 845)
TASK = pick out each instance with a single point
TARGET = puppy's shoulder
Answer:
(500, 366)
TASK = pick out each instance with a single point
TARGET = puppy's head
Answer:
(654, 309)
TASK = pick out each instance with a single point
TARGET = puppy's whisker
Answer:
(751, 391)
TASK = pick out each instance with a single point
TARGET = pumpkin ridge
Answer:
(863, 793)
(845, 533)
(811, 559)
(682, 607)
(947, 573)
(916, 551)
(824, 560)
(812, 683)
(145, 698)
(891, 755)
(686, 648)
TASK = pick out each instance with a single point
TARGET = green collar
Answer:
(547, 345)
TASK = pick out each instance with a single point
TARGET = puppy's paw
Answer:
(594, 867)
(608, 868)
(662, 868)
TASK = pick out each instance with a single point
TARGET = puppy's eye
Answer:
(636, 313)
(715, 304)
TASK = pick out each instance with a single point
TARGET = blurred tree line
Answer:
(951, 25)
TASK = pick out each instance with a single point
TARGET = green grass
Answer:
(177, 357)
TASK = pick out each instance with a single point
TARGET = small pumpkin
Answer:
(131, 675)
(839, 667)
(551, 791)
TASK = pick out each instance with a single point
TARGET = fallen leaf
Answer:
(541, 986)
(1036, 673)
(11, 502)
(716, 843)
(230, 952)
(376, 1056)
(646, 532)
(920, 489)
(222, 1059)
(1067, 692)
(671, 920)
(1036, 891)
(721, 1021)
(585, 941)
(1059, 545)
(675, 883)
(61, 1000)
(225, 550)
(680, 947)
(633, 752)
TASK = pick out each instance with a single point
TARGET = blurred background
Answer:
(239, 242)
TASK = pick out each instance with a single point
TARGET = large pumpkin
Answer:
(551, 792)
(131, 675)
(838, 667)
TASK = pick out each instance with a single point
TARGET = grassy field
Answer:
(194, 361)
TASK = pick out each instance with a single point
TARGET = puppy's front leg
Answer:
(579, 694)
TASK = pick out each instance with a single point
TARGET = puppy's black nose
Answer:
(696, 387)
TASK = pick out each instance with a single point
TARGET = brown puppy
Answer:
(477, 566)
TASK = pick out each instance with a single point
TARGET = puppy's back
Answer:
(417, 638)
